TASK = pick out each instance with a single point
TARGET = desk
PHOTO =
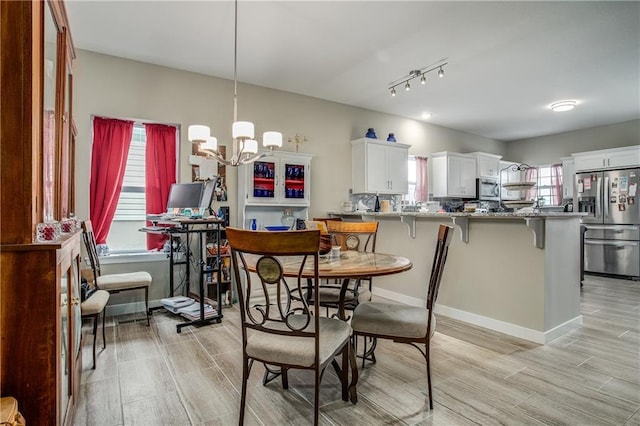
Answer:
(201, 228)
(350, 265)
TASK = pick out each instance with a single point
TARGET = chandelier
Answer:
(421, 73)
(245, 147)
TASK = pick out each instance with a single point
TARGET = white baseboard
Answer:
(397, 297)
(486, 322)
(129, 308)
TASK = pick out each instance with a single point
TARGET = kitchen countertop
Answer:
(462, 214)
(533, 220)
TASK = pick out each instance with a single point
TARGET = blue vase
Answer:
(391, 138)
(370, 133)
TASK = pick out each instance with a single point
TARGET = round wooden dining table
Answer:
(349, 265)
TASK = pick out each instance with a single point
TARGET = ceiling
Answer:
(507, 61)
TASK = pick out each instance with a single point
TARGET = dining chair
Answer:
(114, 283)
(401, 323)
(276, 330)
(92, 308)
(359, 236)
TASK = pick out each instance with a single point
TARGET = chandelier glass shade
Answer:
(245, 147)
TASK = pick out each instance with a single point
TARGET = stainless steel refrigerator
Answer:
(612, 226)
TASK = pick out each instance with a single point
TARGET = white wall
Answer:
(549, 149)
(115, 87)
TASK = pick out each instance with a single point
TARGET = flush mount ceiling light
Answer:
(245, 148)
(561, 106)
(421, 74)
(425, 116)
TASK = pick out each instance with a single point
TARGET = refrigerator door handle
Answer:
(605, 193)
(598, 197)
(611, 243)
(613, 228)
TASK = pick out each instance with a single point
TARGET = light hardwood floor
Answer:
(590, 376)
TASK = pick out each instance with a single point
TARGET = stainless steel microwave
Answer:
(488, 189)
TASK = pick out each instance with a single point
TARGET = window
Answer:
(131, 214)
(550, 176)
(131, 205)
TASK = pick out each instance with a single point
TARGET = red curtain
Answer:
(422, 180)
(111, 141)
(160, 158)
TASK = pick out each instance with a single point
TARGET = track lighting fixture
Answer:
(421, 73)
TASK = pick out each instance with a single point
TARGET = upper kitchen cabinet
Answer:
(568, 173)
(282, 178)
(379, 167)
(605, 159)
(487, 165)
(454, 175)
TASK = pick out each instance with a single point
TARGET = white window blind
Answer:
(131, 204)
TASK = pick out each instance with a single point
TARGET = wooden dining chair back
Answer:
(114, 283)
(401, 323)
(358, 236)
(277, 330)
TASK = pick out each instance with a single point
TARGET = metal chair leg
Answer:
(95, 333)
(146, 303)
(104, 340)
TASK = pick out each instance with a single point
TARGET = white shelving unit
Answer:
(276, 182)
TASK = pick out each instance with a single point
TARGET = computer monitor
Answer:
(207, 194)
(185, 195)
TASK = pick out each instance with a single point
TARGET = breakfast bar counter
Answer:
(517, 273)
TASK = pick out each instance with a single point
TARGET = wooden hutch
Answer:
(40, 318)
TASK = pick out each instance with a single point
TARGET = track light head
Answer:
(423, 79)
(393, 91)
(407, 86)
(441, 73)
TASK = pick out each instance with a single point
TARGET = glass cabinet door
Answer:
(50, 66)
(262, 181)
(65, 353)
(76, 311)
(294, 181)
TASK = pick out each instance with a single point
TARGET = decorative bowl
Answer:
(277, 228)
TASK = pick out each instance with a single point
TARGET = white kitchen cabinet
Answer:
(454, 175)
(379, 167)
(509, 174)
(487, 165)
(604, 159)
(568, 174)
